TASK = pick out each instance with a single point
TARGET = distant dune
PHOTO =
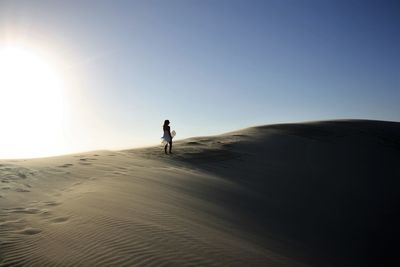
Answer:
(307, 194)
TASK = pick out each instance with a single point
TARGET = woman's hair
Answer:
(166, 122)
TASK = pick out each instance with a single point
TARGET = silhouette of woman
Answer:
(167, 137)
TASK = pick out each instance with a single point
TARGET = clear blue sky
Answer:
(212, 66)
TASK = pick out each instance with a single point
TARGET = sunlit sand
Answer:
(310, 194)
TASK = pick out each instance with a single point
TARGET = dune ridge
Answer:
(306, 194)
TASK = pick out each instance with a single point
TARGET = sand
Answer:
(307, 194)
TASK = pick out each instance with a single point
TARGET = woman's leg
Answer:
(170, 147)
(165, 148)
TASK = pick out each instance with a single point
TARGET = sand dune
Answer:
(307, 194)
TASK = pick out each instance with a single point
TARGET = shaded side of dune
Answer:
(329, 189)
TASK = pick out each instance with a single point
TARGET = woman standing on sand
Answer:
(167, 137)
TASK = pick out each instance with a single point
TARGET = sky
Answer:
(212, 66)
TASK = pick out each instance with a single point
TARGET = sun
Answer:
(31, 104)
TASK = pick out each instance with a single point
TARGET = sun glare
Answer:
(31, 105)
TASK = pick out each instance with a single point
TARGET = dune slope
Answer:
(309, 194)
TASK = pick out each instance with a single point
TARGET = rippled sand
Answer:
(310, 194)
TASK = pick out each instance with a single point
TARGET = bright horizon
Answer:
(106, 74)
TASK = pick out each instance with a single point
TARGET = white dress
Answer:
(166, 138)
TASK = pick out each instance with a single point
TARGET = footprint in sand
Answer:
(22, 175)
(60, 219)
(45, 213)
(195, 143)
(86, 159)
(52, 203)
(23, 210)
(30, 231)
(66, 165)
(22, 190)
(240, 135)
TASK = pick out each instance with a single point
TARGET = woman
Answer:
(167, 137)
